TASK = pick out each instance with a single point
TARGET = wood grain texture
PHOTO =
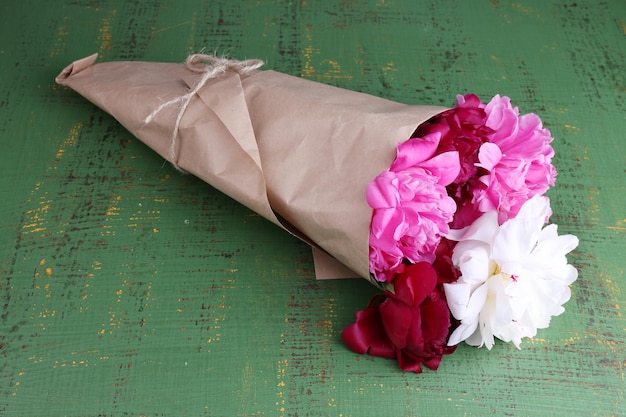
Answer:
(129, 289)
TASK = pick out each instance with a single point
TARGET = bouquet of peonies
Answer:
(443, 209)
(458, 236)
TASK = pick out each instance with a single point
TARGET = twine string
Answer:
(211, 67)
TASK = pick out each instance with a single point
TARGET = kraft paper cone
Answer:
(297, 152)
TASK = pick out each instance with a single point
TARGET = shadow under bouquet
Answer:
(442, 209)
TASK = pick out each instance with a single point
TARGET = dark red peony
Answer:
(463, 129)
(410, 324)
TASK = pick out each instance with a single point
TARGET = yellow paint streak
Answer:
(389, 69)
(551, 47)
(70, 141)
(73, 363)
(616, 308)
(46, 313)
(115, 322)
(595, 208)
(35, 219)
(59, 43)
(613, 345)
(281, 369)
(522, 8)
(308, 70)
(334, 72)
(560, 110)
(611, 275)
(112, 212)
(506, 17)
(620, 226)
(104, 34)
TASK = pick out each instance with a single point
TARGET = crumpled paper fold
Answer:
(297, 152)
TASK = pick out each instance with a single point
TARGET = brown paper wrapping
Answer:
(297, 152)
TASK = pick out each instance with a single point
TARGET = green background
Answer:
(128, 289)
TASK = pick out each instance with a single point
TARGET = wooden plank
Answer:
(130, 289)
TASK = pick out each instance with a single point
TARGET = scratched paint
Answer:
(130, 289)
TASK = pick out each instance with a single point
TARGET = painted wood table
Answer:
(129, 289)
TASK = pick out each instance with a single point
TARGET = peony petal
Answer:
(383, 191)
(445, 166)
(477, 301)
(472, 259)
(557, 246)
(417, 282)
(536, 210)
(367, 335)
(476, 339)
(433, 363)
(489, 155)
(415, 151)
(570, 275)
(457, 296)
(397, 319)
(518, 236)
(408, 363)
(462, 333)
(436, 321)
(483, 229)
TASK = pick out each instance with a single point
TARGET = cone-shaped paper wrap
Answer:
(297, 152)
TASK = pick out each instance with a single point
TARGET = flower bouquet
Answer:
(442, 209)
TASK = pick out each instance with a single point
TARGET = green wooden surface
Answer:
(128, 289)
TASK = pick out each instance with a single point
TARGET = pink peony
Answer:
(517, 160)
(411, 207)
(505, 158)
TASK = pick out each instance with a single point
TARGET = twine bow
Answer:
(211, 67)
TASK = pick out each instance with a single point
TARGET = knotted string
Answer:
(211, 67)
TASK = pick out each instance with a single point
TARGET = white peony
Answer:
(514, 276)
